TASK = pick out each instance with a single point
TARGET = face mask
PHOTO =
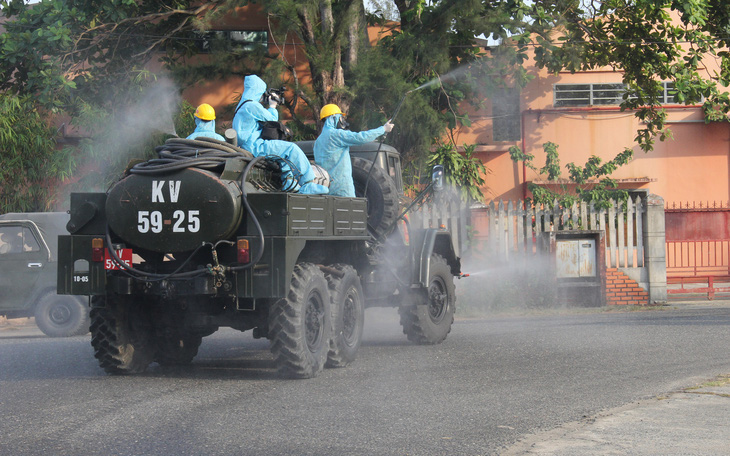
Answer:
(342, 124)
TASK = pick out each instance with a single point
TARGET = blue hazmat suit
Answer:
(205, 128)
(332, 152)
(295, 166)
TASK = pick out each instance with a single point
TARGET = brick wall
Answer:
(621, 290)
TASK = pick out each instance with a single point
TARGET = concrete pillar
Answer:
(655, 249)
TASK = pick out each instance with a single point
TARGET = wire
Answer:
(144, 275)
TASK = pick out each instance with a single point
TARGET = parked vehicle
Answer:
(28, 275)
(203, 238)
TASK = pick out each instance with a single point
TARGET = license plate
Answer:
(124, 254)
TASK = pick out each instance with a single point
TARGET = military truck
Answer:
(28, 274)
(203, 237)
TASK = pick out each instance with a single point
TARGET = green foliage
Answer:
(31, 166)
(67, 54)
(86, 61)
(592, 180)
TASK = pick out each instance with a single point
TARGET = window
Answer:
(232, 40)
(11, 240)
(506, 115)
(17, 239)
(587, 94)
(30, 243)
(600, 94)
(669, 92)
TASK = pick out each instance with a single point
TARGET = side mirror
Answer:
(437, 177)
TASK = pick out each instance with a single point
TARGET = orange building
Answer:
(580, 113)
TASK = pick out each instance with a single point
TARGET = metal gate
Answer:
(698, 249)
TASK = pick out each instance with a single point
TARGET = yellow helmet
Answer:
(205, 112)
(328, 110)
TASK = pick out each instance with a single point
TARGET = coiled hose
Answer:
(179, 153)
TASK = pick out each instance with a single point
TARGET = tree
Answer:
(31, 167)
(84, 61)
(593, 181)
(88, 57)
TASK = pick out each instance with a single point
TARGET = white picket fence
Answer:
(510, 230)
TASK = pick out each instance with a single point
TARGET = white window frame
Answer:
(596, 94)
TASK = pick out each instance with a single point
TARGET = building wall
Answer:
(692, 165)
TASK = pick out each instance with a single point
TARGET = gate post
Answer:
(655, 249)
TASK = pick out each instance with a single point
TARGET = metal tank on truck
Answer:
(203, 237)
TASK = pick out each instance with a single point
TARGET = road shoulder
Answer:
(693, 420)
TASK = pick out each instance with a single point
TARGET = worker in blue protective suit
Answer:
(205, 123)
(296, 170)
(332, 148)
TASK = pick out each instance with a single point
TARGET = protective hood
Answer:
(332, 121)
(253, 88)
(204, 125)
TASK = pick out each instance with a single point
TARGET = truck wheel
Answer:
(383, 199)
(121, 335)
(348, 315)
(62, 316)
(177, 350)
(300, 325)
(430, 322)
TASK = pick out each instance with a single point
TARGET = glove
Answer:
(274, 100)
(388, 127)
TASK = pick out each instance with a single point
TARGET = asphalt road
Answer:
(492, 382)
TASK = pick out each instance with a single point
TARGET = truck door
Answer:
(22, 261)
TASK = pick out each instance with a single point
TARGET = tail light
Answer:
(244, 254)
(97, 250)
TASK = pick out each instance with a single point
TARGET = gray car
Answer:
(28, 274)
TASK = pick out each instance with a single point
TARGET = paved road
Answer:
(494, 381)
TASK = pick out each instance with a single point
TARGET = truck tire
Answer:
(121, 335)
(177, 350)
(348, 315)
(62, 315)
(430, 322)
(383, 199)
(300, 324)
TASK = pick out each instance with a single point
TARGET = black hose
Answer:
(151, 276)
(375, 159)
(244, 198)
(179, 153)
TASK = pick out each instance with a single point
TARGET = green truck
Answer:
(203, 237)
(28, 261)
